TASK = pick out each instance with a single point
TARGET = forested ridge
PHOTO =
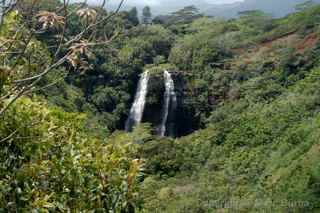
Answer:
(245, 128)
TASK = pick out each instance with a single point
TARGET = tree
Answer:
(133, 16)
(186, 15)
(147, 42)
(146, 15)
(254, 21)
(161, 19)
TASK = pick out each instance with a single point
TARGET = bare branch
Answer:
(27, 88)
(58, 63)
(79, 36)
(65, 5)
(48, 85)
(9, 136)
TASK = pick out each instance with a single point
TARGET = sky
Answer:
(157, 2)
(222, 1)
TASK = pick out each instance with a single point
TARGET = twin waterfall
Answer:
(169, 104)
(170, 100)
(137, 109)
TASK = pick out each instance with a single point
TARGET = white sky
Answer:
(222, 1)
(157, 2)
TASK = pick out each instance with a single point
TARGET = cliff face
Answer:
(154, 101)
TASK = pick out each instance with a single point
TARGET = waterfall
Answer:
(169, 104)
(137, 108)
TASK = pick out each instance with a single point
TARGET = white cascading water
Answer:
(170, 102)
(137, 108)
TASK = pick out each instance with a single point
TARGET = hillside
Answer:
(274, 7)
(230, 10)
(102, 113)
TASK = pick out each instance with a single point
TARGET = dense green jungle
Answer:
(121, 111)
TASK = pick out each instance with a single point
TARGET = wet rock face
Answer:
(185, 118)
(154, 101)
